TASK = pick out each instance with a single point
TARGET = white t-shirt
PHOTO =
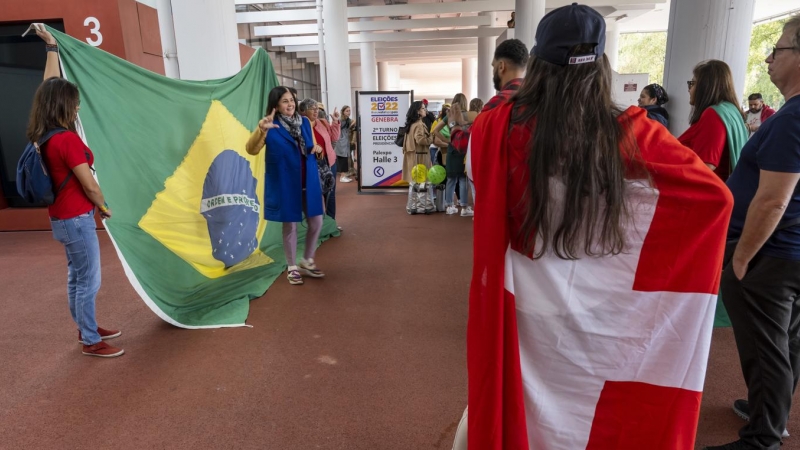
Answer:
(754, 119)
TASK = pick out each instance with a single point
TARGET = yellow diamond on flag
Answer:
(209, 213)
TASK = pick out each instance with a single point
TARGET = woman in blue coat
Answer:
(292, 185)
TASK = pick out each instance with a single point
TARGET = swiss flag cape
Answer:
(600, 353)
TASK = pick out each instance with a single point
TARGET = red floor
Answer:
(372, 357)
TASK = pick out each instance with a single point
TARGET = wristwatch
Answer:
(452, 124)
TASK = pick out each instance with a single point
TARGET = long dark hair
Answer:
(55, 105)
(657, 92)
(581, 145)
(714, 86)
(412, 116)
(275, 97)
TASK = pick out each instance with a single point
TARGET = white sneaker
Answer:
(467, 212)
(345, 179)
(452, 210)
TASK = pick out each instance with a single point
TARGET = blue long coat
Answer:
(283, 196)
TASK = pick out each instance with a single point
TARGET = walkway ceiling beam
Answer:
(377, 25)
(399, 44)
(397, 37)
(449, 51)
(410, 9)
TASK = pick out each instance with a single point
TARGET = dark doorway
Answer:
(22, 61)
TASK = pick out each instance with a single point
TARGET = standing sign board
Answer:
(627, 86)
(380, 160)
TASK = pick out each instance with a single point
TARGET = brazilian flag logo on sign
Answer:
(170, 156)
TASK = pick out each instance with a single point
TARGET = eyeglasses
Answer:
(775, 49)
(691, 83)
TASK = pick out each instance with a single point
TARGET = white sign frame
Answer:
(380, 114)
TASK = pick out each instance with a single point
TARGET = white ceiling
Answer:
(658, 19)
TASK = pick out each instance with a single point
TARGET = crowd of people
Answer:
(559, 185)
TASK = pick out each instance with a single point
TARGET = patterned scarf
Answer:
(292, 124)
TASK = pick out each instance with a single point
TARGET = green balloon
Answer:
(436, 174)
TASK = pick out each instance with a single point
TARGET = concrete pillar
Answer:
(334, 13)
(700, 30)
(469, 74)
(369, 67)
(394, 77)
(167, 31)
(612, 43)
(485, 55)
(527, 16)
(356, 82)
(486, 46)
(383, 76)
(206, 38)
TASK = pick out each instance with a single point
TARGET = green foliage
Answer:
(643, 53)
(764, 37)
(646, 52)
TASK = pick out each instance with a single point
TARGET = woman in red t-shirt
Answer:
(69, 162)
(711, 85)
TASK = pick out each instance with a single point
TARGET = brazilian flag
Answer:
(187, 199)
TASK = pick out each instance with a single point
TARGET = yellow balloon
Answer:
(419, 173)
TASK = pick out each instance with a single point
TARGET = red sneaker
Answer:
(104, 334)
(102, 350)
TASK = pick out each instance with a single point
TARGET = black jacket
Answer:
(658, 113)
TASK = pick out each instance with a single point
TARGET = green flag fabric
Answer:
(186, 197)
(735, 131)
(736, 136)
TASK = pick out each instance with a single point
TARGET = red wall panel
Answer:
(124, 28)
(245, 53)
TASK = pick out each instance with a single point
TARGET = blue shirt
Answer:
(775, 147)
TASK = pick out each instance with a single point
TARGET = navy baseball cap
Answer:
(563, 28)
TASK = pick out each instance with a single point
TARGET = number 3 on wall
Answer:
(95, 30)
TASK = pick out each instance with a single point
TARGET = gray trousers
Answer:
(290, 239)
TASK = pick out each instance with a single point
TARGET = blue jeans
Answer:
(450, 190)
(79, 238)
(330, 200)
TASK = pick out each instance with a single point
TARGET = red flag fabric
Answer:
(600, 352)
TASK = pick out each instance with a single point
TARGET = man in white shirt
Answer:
(758, 112)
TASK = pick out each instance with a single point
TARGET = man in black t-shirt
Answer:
(761, 275)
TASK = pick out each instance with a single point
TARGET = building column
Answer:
(369, 67)
(206, 38)
(469, 73)
(394, 77)
(337, 49)
(612, 43)
(527, 16)
(700, 30)
(486, 47)
(383, 76)
(167, 30)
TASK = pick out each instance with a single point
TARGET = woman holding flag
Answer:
(78, 197)
(597, 248)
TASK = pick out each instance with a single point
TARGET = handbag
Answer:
(326, 180)
(401, 137)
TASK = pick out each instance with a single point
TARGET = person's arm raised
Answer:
(52, 68)
(256, 141)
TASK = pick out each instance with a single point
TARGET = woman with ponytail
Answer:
(652, 99)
